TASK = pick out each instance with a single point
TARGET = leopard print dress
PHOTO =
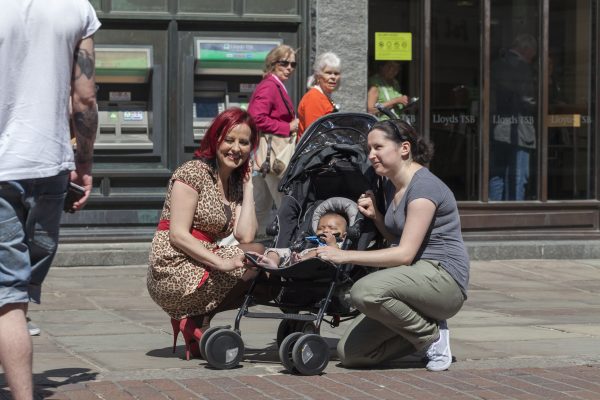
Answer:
(173, 277)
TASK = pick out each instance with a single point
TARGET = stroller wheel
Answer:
(285, 351)
(224, 349)
(310, 354)
(288, 326)
(208, 333)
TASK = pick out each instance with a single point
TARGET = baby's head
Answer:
(333, 223)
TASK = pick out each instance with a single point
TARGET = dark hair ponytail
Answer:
(424, 152)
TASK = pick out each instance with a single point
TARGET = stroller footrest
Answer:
(296, 317)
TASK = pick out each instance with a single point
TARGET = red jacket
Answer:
(268, 109)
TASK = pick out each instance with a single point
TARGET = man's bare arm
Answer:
(85, 114)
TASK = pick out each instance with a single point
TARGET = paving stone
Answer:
(529, 330)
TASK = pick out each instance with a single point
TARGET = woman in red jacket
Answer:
(273, 112)
(317, 101)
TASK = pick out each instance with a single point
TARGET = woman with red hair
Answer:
(190, 276)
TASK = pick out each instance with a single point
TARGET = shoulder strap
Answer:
(287, 106)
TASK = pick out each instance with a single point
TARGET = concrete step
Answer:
(136, 253)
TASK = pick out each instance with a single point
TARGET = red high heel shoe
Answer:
(192, 335)
(176, 329)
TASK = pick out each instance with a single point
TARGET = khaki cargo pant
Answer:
(400, 307)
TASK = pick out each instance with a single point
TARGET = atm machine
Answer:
(124, 80)
(225, 73)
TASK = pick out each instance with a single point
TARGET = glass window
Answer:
(395, 76)
(455, 75)
(514, 123)
(206, 6)
(288, 7)
(96, 4)
(140, 5)
(570, 109)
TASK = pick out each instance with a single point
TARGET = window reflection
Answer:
(455, 60)
(513, 101)
(570, 172)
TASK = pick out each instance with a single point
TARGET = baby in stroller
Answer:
(330, 222)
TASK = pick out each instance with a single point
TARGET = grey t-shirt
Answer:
(443, 241)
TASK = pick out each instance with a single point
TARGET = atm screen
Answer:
(207, 107)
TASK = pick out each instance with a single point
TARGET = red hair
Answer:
(217, 131)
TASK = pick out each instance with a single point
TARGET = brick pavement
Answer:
(571, 382)
(530, 330)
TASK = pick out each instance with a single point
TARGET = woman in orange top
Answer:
(317, 101)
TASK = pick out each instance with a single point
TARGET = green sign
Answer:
(236, 54)
(395, 46)
(122, 64)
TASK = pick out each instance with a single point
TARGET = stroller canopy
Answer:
(339, 135)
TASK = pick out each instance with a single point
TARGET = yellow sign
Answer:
(564, 120)
(393, 46)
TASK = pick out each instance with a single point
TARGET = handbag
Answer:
(275, 150)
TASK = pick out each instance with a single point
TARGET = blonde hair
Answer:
(280, 52)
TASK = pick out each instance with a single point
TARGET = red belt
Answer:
(164, 224)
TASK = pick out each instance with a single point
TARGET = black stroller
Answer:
(327, 172)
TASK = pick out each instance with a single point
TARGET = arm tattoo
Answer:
(86, 123)
(85, 60)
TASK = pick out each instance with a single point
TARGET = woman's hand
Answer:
(247, 186)
(332, 253)
(294, 125)
(261, 260)
(366, 204)
(401, 100)
(246, 224)
(230, 264)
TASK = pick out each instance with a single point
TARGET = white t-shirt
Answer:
(37, 43)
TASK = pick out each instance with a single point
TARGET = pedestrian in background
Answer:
(316, 102)
(514, 105)
(46, 56)
(384, 89)
(273, 112)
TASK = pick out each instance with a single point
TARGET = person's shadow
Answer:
(45, 383)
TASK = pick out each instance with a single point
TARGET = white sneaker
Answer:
(33, 328)
(438, 353)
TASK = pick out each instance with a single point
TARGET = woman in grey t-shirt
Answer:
(423, 276)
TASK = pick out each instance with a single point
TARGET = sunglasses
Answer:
(285, 64)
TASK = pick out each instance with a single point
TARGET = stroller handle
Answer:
(381, 108)
(384, 110)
